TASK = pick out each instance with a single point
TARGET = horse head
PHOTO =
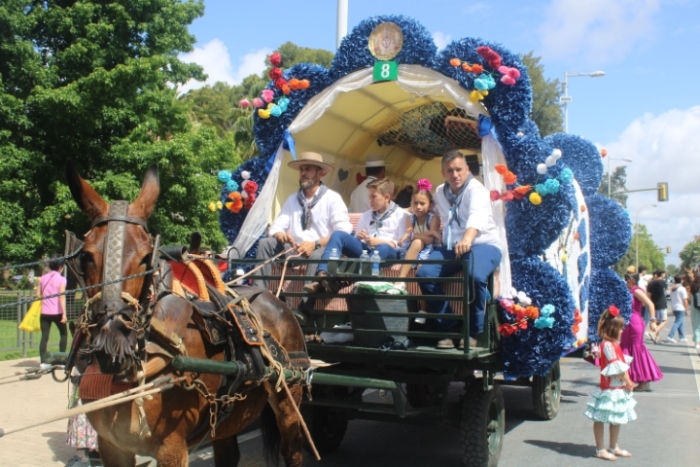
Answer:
(117, 247)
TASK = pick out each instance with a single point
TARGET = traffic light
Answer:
(668, 249)
(662, 188)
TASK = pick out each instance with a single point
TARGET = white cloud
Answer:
(664, 148)
(596, 31)
(441, 39)
(214, 58)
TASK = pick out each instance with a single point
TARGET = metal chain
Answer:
(81, 289)
(41, 261)
(214, 402)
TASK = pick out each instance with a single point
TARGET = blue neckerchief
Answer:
(455, 201)
(377, 221)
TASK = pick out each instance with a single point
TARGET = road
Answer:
(666, 433)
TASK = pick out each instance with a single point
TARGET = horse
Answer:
(119, 245)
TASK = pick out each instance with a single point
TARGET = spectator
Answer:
(694, 277)
(679, 305)
(53, 310)
(375, 170)
(656, 290)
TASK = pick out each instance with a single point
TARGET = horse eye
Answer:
(86, 258)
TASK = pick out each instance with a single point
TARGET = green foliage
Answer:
(93, 81)
(649, 253)
(618, 182)
(690, 254)
(546, 111)
(672, 270)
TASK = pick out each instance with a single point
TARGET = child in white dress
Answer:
(612, 403)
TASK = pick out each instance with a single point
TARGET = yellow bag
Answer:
(32, 320)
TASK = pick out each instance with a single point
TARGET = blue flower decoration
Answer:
(231, 186)
(224, 176)
(552, 186)
(566, 175)
(275, 110)
(484, 83)
(283, 103)
(547, 310)
(541, 323)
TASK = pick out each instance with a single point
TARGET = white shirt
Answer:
(643, 282)
(474, 212)
(393, 227)
(359, 198)
(329, 215)
(677, 297)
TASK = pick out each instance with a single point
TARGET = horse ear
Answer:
(88, 200)
(150, 189)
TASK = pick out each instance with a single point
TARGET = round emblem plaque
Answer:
(386, 41)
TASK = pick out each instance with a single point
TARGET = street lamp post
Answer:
(609, 177)
(565, 99)
(636, 235)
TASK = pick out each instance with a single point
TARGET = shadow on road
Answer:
(570, 449)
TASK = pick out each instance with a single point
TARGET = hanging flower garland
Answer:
(484, 80)
(534, 193)
(521, 309)
(266, 105)
(236, 200)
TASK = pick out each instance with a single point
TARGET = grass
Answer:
(8, 340)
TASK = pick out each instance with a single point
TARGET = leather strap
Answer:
(120, 217)
(113, 252)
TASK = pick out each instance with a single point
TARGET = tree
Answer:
(649, 252)
(93, 81)
(618, 182)
(546, 109)
(672, 270)
(690, 254)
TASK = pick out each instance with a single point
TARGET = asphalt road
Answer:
(666, 434)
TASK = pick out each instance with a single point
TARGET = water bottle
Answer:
(239, 273)
(364, 261)
(376, 260)
(333, 262)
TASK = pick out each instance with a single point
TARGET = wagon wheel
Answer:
(423, 395)
(482, 426)
(327, 427)
(546, 393)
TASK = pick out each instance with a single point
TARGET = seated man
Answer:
(464, 206)
(307, 218)
(378, 229)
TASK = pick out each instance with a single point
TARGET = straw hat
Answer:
(311, 158)
(375, 161)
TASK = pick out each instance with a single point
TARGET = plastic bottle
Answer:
(376, 260)
(333, 261)
(239, 273)
(364, 261)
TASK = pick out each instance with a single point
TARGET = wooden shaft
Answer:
(256, 268)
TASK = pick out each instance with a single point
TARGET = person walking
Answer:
(656, 290)
(694, 277)
(643, 369)
(679, 305)
(53, 310)
(612, 402)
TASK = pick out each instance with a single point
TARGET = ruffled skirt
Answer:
(614, 406)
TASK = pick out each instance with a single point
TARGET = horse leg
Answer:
(292, 438)
(226, 452)
(112, 456)
(173, 452)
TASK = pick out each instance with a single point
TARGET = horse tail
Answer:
(270, 436)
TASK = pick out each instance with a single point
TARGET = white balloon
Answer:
(244, 194)
(541, 169)
(556, 154)
(550, 161)
(245, 175)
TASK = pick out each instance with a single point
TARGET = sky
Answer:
(646, 108)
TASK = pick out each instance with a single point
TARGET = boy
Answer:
(378, 229)
(679, 303)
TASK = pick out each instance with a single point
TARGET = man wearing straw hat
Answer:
(308, 218)
(375, 170)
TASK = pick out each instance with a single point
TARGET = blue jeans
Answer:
(351, 247)
(486, 258)
(677, 325)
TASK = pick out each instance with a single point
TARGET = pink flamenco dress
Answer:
(611, 403)
(643, 368)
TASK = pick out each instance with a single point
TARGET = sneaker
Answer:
(445, 344)
(472, 343)
(45, 367)
(313, 287)
(647, 335)
(683, 340)
(331, 285)
(671, 340)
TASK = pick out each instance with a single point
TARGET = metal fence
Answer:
(14, 339)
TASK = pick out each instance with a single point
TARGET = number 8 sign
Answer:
(386, 71)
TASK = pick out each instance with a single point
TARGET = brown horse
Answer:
(173, 416)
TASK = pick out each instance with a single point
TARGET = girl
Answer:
(53, 310)
(613, 402)
(422, 228)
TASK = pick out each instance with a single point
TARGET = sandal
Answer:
(620, 452)
(605, 455)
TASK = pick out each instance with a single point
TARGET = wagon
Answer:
(390, 92)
